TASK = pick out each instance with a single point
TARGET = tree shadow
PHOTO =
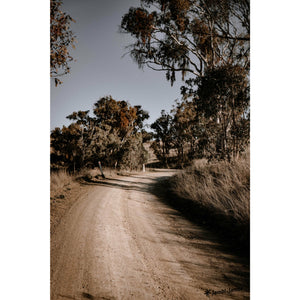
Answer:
(218, 224)
(201, 237)
(116, 183)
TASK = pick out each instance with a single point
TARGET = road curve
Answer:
(118, 241)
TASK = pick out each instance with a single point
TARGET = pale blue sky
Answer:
(100, 70)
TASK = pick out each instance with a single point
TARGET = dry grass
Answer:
(221, 191)
(62, 185)
(59, 180)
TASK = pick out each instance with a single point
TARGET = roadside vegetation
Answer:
(59, 180)
(113, 134)
(216, 195)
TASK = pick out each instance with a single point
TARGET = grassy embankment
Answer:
(216, 195)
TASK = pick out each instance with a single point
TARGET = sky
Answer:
(101, 69)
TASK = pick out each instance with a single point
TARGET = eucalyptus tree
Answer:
(207, 42)
(111, 132)
(61, 38)
(163, 136)
(187, 36)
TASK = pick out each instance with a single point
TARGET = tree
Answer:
(126, 123)
(222, 98)
(65, 148)
(188, 36)
(117, 114)
(61, 38)
(187, 131)
(92, 138)
(114, 135)
(208, 40)
(133, 154)
(163, 134)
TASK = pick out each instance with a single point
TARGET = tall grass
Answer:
(221, 192)
(59, 179)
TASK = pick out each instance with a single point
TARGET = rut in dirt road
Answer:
(118, 241)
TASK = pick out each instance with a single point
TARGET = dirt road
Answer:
(118, 241)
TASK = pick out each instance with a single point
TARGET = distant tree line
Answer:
(207, 42)
(114, 135)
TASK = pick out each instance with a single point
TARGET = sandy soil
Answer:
(118, 241)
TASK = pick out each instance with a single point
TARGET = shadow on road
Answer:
(200, 235)
(118, 184)
(197, 216)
